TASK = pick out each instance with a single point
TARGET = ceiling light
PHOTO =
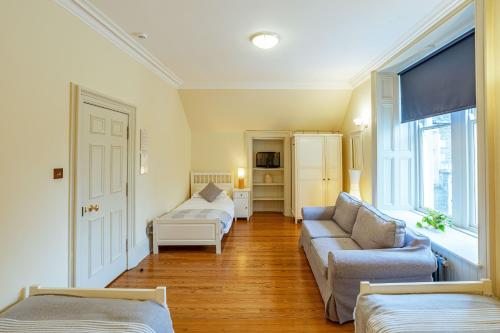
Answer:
(265, 40)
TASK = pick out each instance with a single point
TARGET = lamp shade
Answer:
(241, 172)
(354, 176)
(241, 177)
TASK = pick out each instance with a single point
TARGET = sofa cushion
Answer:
(322, 246)
(346, 209)
(374, 230)
(322, 228)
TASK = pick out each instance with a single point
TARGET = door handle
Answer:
(93, 208)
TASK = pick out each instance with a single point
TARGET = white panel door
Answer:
(101, 230)
(333, 164)
(310, 174)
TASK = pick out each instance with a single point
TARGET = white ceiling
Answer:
(325, 43)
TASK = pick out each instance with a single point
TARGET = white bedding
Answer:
(222, 202)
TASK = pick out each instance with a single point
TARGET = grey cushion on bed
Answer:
(210, 192)
(374, 230)
(346, 209)
(50, 307)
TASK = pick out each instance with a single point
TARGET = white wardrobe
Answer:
(317, 170)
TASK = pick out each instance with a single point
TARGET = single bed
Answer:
(427, 307)
(197, 221)
(89, 310)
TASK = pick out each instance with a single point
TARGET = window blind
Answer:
(443, 82)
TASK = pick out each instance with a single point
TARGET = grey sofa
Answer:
(352, 242)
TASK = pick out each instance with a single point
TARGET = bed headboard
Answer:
(223, 180)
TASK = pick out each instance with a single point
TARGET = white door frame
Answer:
(80, 95)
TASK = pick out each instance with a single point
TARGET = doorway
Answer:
(101, 197)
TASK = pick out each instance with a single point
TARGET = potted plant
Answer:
(435, 219)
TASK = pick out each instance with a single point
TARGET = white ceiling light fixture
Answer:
(265, 40)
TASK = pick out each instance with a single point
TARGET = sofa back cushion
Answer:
(374, 230)
(346, 209)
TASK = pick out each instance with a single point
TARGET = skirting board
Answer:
(138, 253)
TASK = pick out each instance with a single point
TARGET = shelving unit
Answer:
(269, 169)
(274, 196)
(268, 196)
(268, 199)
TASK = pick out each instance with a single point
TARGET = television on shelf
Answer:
(267, 160)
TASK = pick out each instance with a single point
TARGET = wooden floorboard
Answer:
(261, 282)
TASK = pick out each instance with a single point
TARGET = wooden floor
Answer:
(261, 282)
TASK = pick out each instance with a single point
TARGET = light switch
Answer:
(58, 173)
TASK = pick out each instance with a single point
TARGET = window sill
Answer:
(460, 243)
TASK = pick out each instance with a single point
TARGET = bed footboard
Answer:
(158, 295)
(187, 232)
(482, 287)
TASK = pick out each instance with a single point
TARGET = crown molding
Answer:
(338, 85)
(425, 25)
(102, 24)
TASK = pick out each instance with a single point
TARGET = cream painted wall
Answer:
(493, 136)
(359, 107)
(217, 151)
(44, 48)
(218, 118)
(496, 229)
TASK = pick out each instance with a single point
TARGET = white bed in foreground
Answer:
(168, 230)
(427, 307)
(88, 310)
(158, 295)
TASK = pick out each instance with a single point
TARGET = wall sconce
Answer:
(361, 122)
(241, 177)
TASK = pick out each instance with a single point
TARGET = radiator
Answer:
(442, 266)
(457, 268)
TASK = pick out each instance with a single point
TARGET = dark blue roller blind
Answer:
(442, 82)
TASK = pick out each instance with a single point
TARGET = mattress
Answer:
(222, 203)
(88, 311)
(427, 313)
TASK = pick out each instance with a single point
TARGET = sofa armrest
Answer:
(381, 264)
(318, 213)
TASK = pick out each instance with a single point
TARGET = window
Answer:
(447, 164)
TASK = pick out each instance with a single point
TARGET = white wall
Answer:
(44, 48)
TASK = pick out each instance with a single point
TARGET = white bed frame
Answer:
(482, 287)
(197, 231)
(158, 295)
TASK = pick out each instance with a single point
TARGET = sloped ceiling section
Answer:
(236, 110)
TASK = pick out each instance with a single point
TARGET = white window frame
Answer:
(464, 177)
(384, 199)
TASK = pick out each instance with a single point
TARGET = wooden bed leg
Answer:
(218, 248)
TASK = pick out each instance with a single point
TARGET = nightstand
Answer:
(242, 198)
